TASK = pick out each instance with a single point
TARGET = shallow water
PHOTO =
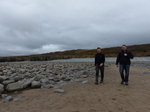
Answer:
(113, 59)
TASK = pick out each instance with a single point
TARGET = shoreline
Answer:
(141, 64)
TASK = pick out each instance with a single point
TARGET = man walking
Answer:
(99, 65)
(123, 59)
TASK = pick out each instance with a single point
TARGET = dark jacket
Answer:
(99, 58)
(125, 60)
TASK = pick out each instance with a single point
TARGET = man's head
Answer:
(124, 47)
(98, 50)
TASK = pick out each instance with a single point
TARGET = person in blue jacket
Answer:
(123, 59)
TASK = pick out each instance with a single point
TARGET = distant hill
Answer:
(137, 50)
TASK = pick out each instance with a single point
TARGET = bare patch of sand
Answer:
(109, 96)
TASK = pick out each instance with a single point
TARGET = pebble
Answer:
(9, 98)
(4, 96)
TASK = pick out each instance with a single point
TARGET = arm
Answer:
(103, 60)
(118, 59)
(130, 55)
(95, 60)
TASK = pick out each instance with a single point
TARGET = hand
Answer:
(116, 65)
(101, 64)
(125, 54)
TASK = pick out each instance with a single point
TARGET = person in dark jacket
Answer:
(99, 65)
(123, 59)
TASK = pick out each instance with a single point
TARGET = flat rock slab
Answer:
(59, 91)
(15, 86)
(9, 98)
(78, 80)
(85, 82)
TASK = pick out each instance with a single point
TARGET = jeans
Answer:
(101, 68)
(121, 70)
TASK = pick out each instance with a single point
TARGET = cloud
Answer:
(28, 27)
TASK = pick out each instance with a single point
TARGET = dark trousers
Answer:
(101, 68)
(127, 69)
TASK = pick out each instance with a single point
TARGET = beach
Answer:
(109, 96)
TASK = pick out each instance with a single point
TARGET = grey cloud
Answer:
(28, 27)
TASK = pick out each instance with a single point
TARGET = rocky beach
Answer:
(69, 87)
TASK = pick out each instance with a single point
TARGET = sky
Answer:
(43, 26)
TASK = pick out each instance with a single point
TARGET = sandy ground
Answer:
(110, 96)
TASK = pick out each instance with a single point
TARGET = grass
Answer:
(137, 50)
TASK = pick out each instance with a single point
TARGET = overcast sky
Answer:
(41, 26)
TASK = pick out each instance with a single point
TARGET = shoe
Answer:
(96, 83)
(126, 83)
(122, 82)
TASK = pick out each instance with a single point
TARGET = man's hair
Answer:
(98, 48)
(124, 45)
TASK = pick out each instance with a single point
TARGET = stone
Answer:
(51, 78)
(8, 82)
(22, 70)
(2, 78)
(44, 80)
(84, 76)
(15, 86)
(27, 83)
(13, 75)
(39, 77)
(51, 82)
(44, 85)
(9, 72)
(78, 80)
(56, 79)
(85, 82)
(62, 77)
(18, 78)
(1, 88)
(67, 79)
(59, 91)
(57, 87)
(34, 70)
(35, 84)
(13, 70)
(5, 71)
(27, 75)
(61, 83)
(4, 96)
(43, 69)
(9, 98)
